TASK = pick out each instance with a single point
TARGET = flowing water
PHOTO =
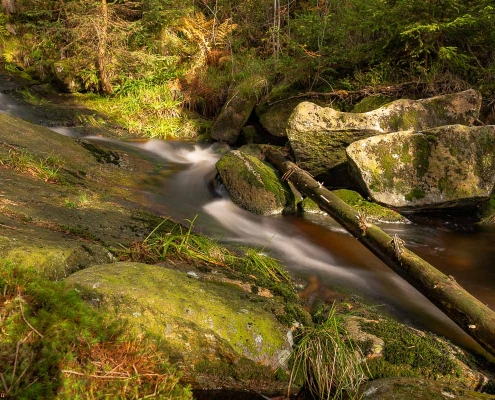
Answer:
(313, 247)
(318, 250)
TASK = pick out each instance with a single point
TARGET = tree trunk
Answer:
(102, 30)
(475, 318)
(8, 6)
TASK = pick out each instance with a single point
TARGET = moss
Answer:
(408, 353)
(422, 154)
(254, 185)
(371, 103)
(416, 193)
(101, 155)
(445, 187)
(374, 212)
(153, 298)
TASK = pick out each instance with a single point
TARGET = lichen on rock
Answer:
(318, 136)
(449, 166)
(194, 320)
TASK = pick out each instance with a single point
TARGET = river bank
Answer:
(96, 200)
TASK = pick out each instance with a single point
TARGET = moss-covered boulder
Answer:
(64, 76)
(65, 202)
(234, 114)
(318, 136)
(275, 118)
(197, 322)
(371, 103)
(254, 185)
(449, 166)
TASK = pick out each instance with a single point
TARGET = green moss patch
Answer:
(374, 212)
(198, 320)
(409, 353)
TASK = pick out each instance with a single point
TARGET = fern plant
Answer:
(207, 35)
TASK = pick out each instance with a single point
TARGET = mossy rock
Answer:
(374, 212)
(417, 389)
(371, 103)
(49, 252)
(310, 207)
(195, 321)
(58, 227)
(275, 118)
(411, 353)
(449, 166)
(64, 75)
(319, 136)
(254, 185)
(234, 114)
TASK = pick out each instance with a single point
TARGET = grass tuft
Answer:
(328, 366)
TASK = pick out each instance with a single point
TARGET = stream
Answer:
(314, 247)
(317, 250)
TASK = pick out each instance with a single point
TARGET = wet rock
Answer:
(254, 185)
(449, 166)
(318, 136)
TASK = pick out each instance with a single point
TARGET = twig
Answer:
(67, 371)
(4, 383)
(26, 321)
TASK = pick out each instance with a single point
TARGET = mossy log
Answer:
(475, 318)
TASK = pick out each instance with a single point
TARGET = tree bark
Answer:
(475, 318)
(102, 30)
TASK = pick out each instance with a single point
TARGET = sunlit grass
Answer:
(180, 243)
(46, 169)
(147, 109)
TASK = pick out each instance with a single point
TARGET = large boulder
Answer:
(234, 114)
(198, 321)
(449, 166)
(318, 136)
(253, 185)
(274, 118)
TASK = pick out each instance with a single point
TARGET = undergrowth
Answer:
(53, 345)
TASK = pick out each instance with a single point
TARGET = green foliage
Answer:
(53, 345)
(179, 243)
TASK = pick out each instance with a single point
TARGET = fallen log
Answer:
(475, 318)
